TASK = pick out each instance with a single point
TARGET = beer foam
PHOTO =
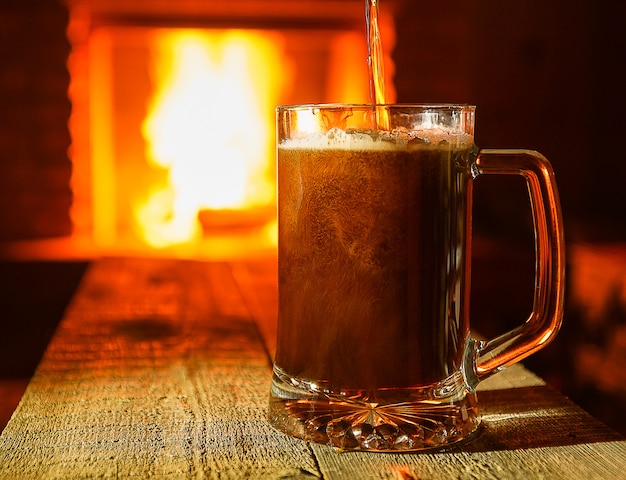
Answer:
(338, 139)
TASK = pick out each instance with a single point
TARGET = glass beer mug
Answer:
(374, 350)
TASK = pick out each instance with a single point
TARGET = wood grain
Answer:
(161, 368)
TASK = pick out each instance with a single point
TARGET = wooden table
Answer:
(161, 368)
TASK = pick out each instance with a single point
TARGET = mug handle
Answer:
(492, 356)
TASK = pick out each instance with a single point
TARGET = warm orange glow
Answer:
(210, 127)
(165, 121)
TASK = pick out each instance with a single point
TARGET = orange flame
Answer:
(210, 128)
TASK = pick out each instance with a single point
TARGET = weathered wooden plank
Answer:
(544, 463)
(159, 370)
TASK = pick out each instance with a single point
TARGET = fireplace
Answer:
(172, 119)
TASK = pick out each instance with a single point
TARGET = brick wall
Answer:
(35, 169)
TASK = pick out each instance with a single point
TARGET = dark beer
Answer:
(372, 274)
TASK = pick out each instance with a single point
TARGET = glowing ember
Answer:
(210, 127)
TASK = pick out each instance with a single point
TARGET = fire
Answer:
(209, 128)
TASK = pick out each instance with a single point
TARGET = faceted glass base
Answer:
(408, 419)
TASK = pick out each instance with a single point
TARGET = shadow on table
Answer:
(533, 417)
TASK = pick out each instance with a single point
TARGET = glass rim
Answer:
(363, 106)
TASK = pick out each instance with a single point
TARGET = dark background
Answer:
(544, 76)
(547, 76)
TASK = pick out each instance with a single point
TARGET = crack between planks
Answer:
(250, 309)
(315, 460)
